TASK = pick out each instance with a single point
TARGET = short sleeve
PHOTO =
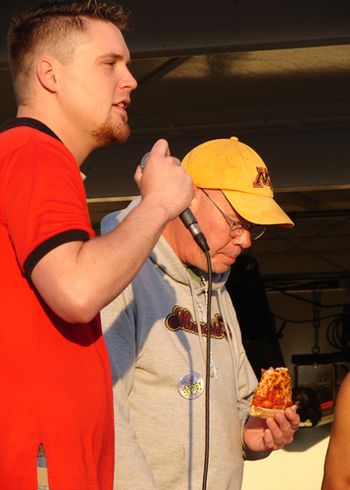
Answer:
(43, 200)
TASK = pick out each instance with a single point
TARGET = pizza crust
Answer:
(263, 413)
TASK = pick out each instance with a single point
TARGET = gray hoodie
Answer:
(156, 336)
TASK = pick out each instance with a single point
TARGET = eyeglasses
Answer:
(237, 228)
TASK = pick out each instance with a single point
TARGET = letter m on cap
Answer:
(262, 178)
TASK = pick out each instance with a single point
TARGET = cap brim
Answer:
(261, 210)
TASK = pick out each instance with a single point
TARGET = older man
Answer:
(156, 336)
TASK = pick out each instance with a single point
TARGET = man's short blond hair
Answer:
(53, 25)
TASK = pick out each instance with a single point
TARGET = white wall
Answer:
(298, 467)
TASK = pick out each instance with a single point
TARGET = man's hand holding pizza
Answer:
(271, 433)
(273, 418)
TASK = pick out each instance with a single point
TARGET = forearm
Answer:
(113, 260)
(78, 279)
(336, 481)
(336, 468)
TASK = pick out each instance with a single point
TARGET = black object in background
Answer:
(246, 288)
(315, 403)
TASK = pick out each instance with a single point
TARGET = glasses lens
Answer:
(257, 231)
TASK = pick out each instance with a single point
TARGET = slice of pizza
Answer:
(273, 393)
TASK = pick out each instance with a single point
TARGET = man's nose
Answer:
(244, 240)
(130, 80)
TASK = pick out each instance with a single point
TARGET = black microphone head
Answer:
(186, 216)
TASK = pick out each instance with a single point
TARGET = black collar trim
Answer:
(28, 121)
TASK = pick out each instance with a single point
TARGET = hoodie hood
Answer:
(162, 254)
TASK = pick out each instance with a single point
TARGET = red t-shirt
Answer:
(55, 383)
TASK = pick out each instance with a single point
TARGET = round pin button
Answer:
(191, 385)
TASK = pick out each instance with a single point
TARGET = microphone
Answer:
(186, 217)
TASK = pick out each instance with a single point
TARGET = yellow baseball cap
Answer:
(239, 172)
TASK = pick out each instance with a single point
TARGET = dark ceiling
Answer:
(275, 74)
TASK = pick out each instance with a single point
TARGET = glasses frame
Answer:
(236, 227)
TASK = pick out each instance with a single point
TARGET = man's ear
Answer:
(46, 73)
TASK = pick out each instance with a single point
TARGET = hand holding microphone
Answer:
(186, 216)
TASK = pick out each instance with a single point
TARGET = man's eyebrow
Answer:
(113, 56)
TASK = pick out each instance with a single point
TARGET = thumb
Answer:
(161, 148)
(138, 175)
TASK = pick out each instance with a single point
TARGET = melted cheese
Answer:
(274, 390)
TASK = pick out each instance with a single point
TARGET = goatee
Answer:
(109, 133)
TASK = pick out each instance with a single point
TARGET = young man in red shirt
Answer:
(69, 63)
